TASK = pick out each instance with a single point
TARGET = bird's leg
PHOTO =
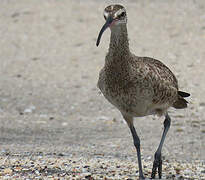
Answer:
(137, 146)
(136, 143)
(157, 156)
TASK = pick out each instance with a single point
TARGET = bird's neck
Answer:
(119, 53)
(119, 39)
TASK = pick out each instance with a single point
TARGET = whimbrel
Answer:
(136, 86)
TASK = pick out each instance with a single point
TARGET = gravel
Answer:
(40, 166)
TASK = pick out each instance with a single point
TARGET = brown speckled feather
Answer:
(163, 81)
(137, 86)
(138, 82)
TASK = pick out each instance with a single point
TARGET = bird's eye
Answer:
(122, 15)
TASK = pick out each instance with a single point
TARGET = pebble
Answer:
(30, 109)
(58, 167)
(104, 118)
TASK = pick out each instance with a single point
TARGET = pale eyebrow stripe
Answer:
(119, 12)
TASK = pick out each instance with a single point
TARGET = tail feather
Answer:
(181, 103)
(183, 94)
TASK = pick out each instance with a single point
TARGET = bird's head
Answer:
(115, 15)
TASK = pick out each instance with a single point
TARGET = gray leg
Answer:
(137, 146)
(157, 156)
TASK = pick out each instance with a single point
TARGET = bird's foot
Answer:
(141, 177)
(157, 165)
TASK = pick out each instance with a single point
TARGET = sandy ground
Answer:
(49, 102)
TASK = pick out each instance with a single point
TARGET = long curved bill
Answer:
(105, 26)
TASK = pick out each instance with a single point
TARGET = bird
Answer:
(136, 86)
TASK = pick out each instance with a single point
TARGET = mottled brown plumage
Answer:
(137, 86)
